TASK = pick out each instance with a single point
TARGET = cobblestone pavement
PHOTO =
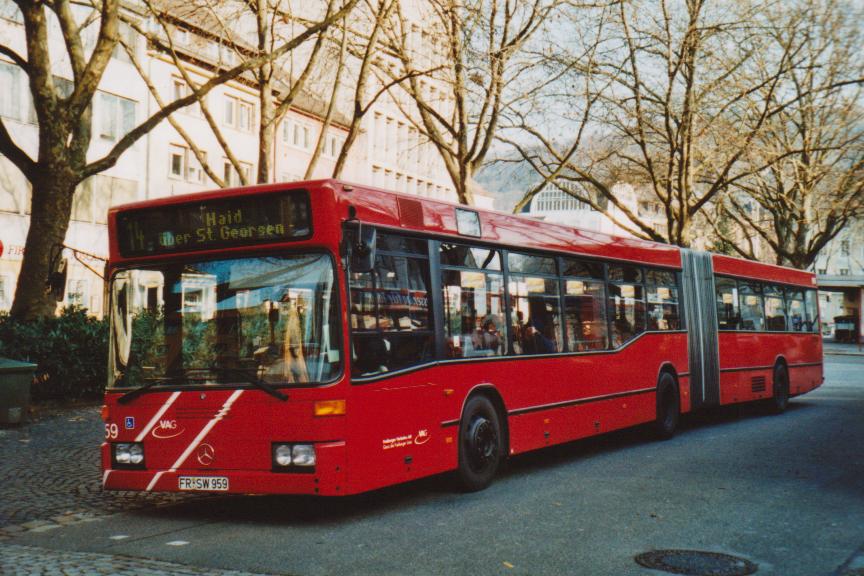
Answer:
(50, 473)
(50, 478)
(29, 561)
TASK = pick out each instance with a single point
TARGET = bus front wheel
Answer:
(668, 407)
(480, 444)
(780, 399)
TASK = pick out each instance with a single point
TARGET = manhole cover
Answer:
(696, 563)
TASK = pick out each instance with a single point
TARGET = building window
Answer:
(300, 136)
(844, 272)
(844, 248)
(555, 199)
(117, 116)
(195, 171)
(389, 136)
(232, 177)
(333, 145)
(239, 114)
(181, 36)
(15, 100)
(10, 91)
(127, 35)
(177, 163)
(183, 165)
(822, 271)
(179, 89)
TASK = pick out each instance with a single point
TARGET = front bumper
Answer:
(328, 478)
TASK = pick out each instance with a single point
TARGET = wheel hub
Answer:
(483, 441)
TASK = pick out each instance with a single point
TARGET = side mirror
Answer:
(362, 247)
(57, 278)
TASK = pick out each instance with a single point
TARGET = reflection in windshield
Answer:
(268, 318)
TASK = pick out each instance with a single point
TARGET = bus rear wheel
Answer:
(780, 399)
(480, 444)
(668, 407)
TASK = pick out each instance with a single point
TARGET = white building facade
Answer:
(389, 152)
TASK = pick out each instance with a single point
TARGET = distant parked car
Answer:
(846, 328)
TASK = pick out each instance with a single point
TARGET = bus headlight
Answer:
(128, 454)
(304, 455)
(282, 455)
(293, 457)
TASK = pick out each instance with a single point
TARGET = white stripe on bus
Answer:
(201, 435)
(158, 415)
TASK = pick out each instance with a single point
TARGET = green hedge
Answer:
(71, 351)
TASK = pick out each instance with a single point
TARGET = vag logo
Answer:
(167, 429)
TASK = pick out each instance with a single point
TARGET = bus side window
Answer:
(585, 305)
(535, 313)
(662, 288)
(811, 309)
(728, 314)
(626, 303)
(391, 316)
(473, 294)
(775, 308)
(750, 301)
(795, 310)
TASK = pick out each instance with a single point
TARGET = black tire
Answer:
(481, 444)
(668, 407)
(780, 399)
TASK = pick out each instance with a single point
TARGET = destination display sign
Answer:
(215, 223)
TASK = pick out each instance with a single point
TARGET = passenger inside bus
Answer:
(484, 340)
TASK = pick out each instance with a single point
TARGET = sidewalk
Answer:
(50, 473)
(842, 348)
(50, 478)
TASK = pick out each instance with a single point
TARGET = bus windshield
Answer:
(268, 319)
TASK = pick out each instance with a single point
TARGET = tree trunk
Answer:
(51, 210)
(266, 134)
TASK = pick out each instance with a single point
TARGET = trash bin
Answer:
(15, 379)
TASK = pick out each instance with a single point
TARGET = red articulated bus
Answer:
(329, 338)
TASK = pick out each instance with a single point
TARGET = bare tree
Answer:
(799, 203)
(482, 62)
(65, 124)
(276, 81)
(677, 92)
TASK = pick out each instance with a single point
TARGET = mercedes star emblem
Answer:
(206, 453)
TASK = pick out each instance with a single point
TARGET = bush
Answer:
(71, 351)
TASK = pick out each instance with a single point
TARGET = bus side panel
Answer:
(396, 433)
(747, 361)
(406, 426)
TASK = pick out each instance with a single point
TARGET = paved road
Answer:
(785, 492)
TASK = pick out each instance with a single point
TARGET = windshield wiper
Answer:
(247, 377)
(251, 379)
(132, 394)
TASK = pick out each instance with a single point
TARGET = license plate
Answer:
(204, 483)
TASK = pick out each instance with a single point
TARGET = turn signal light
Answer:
(105, 413)
(330, 408)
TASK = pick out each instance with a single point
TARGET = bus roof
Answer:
(412, 213)
(409, 212)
